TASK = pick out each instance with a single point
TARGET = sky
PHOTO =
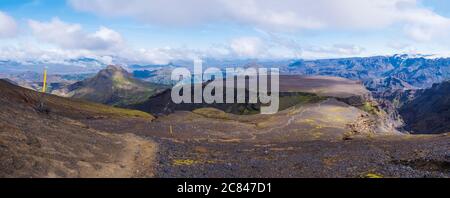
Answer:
(160, 31)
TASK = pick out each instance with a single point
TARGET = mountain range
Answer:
(392, 80)
(379, 72)
(80, 65)
(418, 71)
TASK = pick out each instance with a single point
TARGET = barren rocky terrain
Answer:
(333, 137)
(43, 136)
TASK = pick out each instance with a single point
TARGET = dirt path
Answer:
(137, 159)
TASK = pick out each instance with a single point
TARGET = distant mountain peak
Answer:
(115, 68)
(424, 56)
(113, 85)
(113, 71)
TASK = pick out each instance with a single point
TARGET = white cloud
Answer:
(57, 41)
(30, 52)
(398, 45)
(273, 17)
(8, 26)
(175, 12)
(333, 51)
(426, 26)
(273, 46)
(418, 22)
(250, 47)
(72, 36)
(338, 49)
(159, 55)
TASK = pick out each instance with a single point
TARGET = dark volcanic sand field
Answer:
(187, 153)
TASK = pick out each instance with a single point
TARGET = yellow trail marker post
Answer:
(41, 106)
(44, 86)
